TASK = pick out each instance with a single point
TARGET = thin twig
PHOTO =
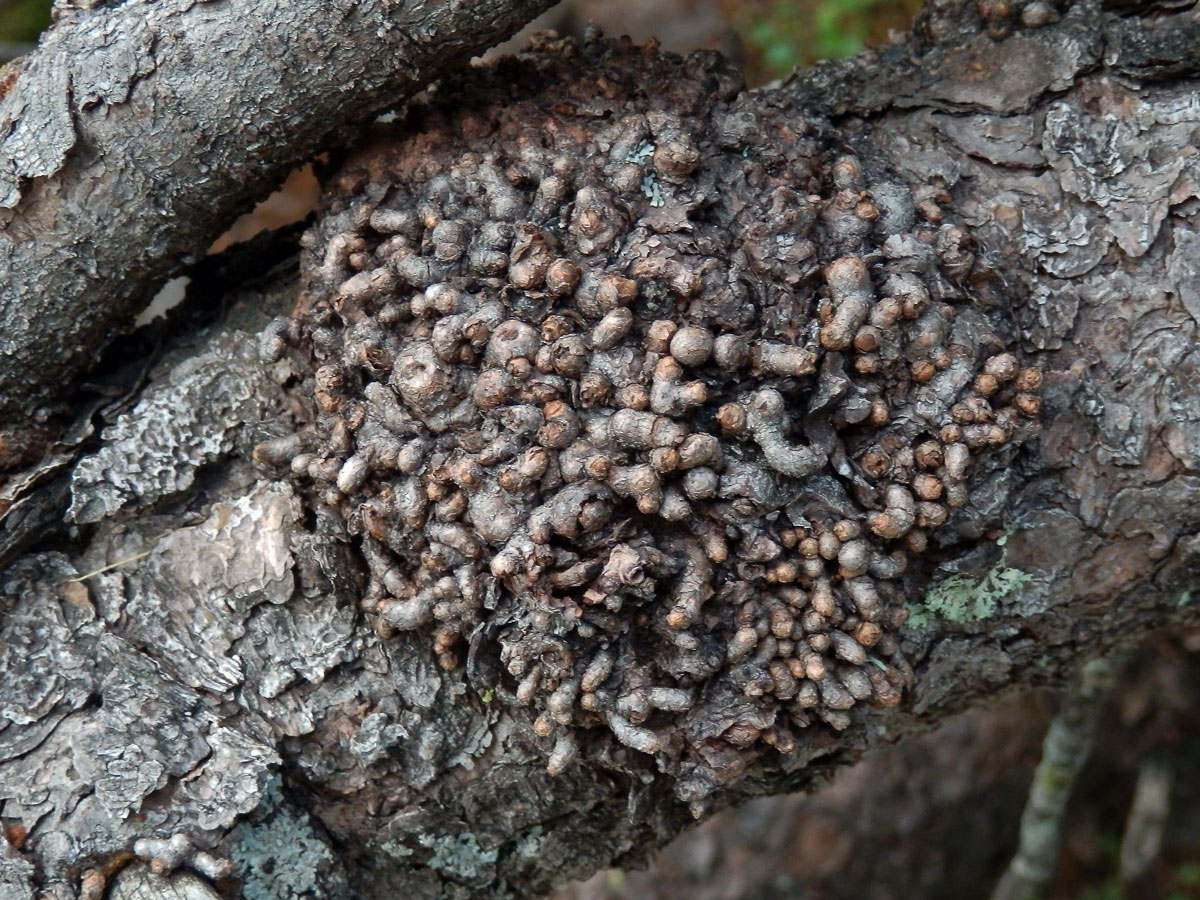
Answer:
(110, 567)
(1147, 820)
(1065, 750)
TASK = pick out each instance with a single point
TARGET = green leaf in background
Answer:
(21, 21)
(785, 34)
(842, 26)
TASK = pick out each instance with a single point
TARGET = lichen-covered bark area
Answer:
(421, 589)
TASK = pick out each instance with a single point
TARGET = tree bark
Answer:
(937, 815)
(137, 132)
(191, 677)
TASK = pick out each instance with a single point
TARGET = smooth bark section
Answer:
(136, 132)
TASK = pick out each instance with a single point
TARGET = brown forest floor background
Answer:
(936, 817)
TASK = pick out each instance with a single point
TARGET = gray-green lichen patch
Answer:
(966, 598)
(461, 857)
(283, 857)
(457, 857)
(530, 845)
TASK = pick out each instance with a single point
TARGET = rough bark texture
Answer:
(130, 141)
(190, 673)
(936, 816)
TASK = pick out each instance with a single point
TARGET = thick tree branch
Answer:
(230, 675)
(137, 131)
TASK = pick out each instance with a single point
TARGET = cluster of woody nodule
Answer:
(653, 409)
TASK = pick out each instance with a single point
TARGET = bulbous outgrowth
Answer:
(632, 429)
(676, 158)
(693, 587)
(773, 358)
(699, 450)
(511, 340)
(564, 753)
(597, 671)
(692, 345)
(409, 614)
(641, 739)
(898, 516)
(611, 329)
(562, 277)
(670, 395)
(353, 473)
(494, 515)
(595, 222)
(561, 701)
(529, 259)
(852, 295)
(766, 421)
(731, 352)
(647, 466)
(280, 451)
(701, 483)
(424, 382)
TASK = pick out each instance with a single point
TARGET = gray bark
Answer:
(190, 678)
(137, 131)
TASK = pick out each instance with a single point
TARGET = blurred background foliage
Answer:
(779, 35)
(21, 21)
(769, 37)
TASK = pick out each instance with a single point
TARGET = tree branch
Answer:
(137, 131)
(258, 695)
